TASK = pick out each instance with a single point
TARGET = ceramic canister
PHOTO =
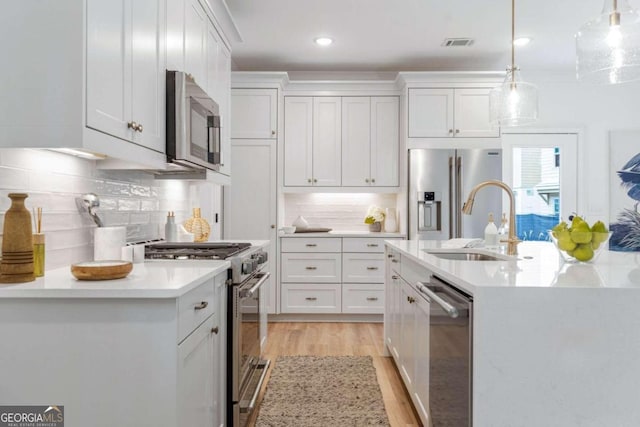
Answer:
(17, 243)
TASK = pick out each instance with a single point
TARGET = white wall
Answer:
(339, 211)
(130, 198)
(565, 103)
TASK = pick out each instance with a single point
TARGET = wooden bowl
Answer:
(101, 270)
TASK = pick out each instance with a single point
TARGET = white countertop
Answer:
(537, 265)
(342, 233)
(151, 279)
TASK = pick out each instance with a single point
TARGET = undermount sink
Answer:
(467, 256)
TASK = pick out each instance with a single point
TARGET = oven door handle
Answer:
(451, 310)
(255, 287)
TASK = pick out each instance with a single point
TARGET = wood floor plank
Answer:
(344, 339)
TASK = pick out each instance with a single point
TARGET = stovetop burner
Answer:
(207, 250)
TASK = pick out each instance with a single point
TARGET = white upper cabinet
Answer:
(255, 113)
(312, 145)
(195, 42)
(327, 145)
(125, 70)
(448, 113)
(370, 136)
(298, 134)
(223, 98)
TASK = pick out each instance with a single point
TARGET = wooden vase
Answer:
(198, 226)
(17, 243)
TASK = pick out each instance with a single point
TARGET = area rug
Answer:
(313, 391)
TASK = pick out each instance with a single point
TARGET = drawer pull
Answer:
(372, 245)
(311, 298)
(394, 260)
(201, 306)
(390, 256)
(395, 277)
(311, 245)
(372, 298)
(215, 330)
(372, 268)
(311, 268)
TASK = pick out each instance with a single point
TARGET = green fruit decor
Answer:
(579, 242)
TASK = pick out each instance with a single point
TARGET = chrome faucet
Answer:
(512, 240)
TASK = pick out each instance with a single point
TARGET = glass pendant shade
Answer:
(608, 47)
(514, 103)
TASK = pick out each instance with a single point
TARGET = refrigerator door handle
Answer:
(452, 207)
(458, 196)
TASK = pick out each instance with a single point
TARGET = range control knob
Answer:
(247, 267)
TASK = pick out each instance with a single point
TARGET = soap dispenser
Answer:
(491, 234)
(171, 228)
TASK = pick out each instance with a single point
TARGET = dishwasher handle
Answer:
(451, 310)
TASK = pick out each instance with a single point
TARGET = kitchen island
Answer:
(553, 344)
(143, 350)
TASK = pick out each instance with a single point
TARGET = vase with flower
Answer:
(375, 216)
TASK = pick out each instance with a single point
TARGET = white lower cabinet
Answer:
(332, 275)
(406, 326)
(120, 361)
(311, 298)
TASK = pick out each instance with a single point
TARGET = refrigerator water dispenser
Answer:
(429, 211)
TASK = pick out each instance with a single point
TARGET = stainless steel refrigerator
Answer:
(440, 181)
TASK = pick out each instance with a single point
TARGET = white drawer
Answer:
(413, 272)
(311, 268)
(363, 268)
(310, 298)
(194, 307)
(365, 298)
(311, 244)
(363, 244)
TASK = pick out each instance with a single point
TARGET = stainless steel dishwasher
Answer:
(450, 353)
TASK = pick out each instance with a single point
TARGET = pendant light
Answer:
(608, 47)
(515, 102)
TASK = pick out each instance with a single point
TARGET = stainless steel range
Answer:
(245, 369)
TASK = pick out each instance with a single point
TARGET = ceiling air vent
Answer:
(457, 42)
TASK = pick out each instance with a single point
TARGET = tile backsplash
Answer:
(129, 198)
(339, 211)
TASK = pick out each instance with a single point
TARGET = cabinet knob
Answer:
(411, 300)
(315, 180)
(273, 132)
(373, 180)
(139, 128)
(201, 306)
(215, 330)
(390, 256)
(132, 125)
(273, 226)
(457, 130)
(366, 180)
(394, 277)
(309, 181)
(450, 130)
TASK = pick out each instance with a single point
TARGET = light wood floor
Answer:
(344, 339)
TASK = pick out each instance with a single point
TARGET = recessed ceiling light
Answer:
(323, 41)
(521, 41)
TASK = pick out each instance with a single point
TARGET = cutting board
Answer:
(313, 230)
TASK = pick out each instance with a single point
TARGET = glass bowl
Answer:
(583, 252)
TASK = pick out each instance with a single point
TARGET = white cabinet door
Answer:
(327, 137)
(472, 114)
(109, 67)
(298, 140)
(253, 190)
(175, 34)
(195, 377)
(254, 113)
(431, 113)
(148, 73)
(213, 52)
(385, 137)
(421, 338)
(311, 268)
(224, 102)
(396, 315)
(356, 141)
(362, 268)
(219, 344)
(195, 42)
(408, 345)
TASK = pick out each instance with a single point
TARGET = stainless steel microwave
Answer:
(193, 124)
